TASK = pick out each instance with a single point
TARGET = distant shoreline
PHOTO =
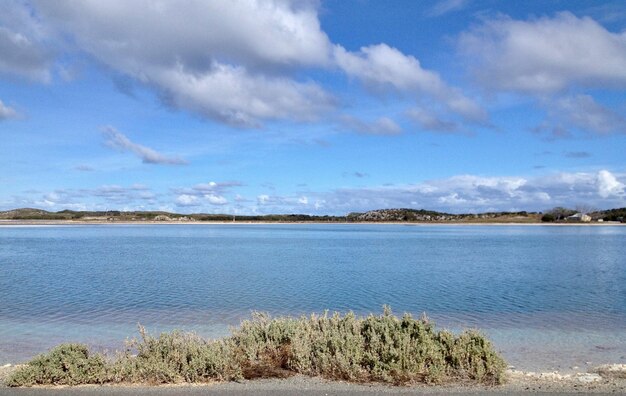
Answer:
(8, 223)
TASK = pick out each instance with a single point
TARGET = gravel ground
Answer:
(520, 383)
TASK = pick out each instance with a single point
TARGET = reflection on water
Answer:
(553, 291)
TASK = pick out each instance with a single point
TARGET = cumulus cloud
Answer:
(211, 187)
(195, 200)
(230, 61)
(119, 141)
(380, 126)
(6, 112)
(571, 115)
(23, 53)
(266, 204)
(382, 67)
(236, 62)
(105, 197)
(195, 33)
(456, 194)
(232, 95)
(468, 193)
(608, 185)
(187, 200)
(546, 55)
(584, 113)
(212, 193)
(214, 199)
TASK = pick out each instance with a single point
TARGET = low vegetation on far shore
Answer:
(381, 348)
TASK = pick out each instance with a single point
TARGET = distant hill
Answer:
(421, 215)
(29, 213)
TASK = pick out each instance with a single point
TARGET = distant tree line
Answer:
(561, 214)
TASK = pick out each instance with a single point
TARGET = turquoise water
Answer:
(549, 297)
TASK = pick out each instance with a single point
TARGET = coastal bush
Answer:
(174, 357)
(67, 364)
(381, 348)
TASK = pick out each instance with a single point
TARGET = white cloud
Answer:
(380, 126)
(452, 199)
(105, 197)
(214, 199)
(583, 112)
(6, 112)
(238, 62)
(279, 204)
(457, 194)
(274, 33)
(212, 193)
(118, 140)
(382, 67)
(231, 61)
(472, 193)
(23, 53)
(187, 200)
(608, 185)
(546, 55)
(232, 95)
(212, 187)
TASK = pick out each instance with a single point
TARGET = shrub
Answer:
(67, 364)
(381, 348)
(175, 357)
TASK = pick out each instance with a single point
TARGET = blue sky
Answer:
(319, 107)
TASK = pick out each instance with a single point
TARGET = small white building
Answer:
(579, 218)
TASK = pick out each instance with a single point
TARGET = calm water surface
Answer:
(549, 297)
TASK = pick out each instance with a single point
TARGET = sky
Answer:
(314, 107)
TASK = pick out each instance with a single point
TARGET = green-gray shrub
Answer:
(376, 348)
(381, 348)
(67, 364)
(175, 357)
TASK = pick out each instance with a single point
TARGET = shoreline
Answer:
(9, 223)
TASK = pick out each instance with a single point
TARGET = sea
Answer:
(549, 297)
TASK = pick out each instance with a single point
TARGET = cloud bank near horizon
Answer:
(457, 194)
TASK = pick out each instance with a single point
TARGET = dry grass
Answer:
(381, 348)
